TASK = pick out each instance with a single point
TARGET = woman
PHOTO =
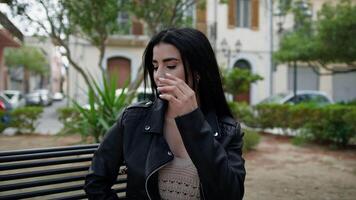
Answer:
(184, 145)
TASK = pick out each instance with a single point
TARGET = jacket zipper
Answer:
(149, 176)
(202, 190)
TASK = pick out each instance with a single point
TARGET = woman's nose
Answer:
(161, 72)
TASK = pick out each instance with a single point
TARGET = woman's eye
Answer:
(171, 67)
(155, 68)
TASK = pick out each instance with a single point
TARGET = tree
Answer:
(30, 58)
(93, 20)
(335, 38)
(161, 14)
(96, 21)
(328, 40)
(236, 81)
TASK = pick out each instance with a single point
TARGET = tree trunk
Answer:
(72, 62)
(26, 80)
(101, 57)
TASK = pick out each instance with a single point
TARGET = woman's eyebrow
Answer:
(166, 60)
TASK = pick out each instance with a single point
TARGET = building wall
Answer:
(255, 44)
(87, 56)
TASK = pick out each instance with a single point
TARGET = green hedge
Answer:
(25, 119)
(3, 124)
(331, 124)
(335, 124)
(243, 113)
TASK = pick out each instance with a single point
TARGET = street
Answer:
(48, 123)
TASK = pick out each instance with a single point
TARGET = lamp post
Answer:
(227, 50)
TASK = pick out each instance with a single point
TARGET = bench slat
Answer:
(39, 173)
(49, 191)
(30, 184)
(50, 149)
(43, 163)
(14, 158)
(84, 196)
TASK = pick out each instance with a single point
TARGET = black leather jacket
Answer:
(214, 145)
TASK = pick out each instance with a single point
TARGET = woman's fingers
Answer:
(172, 80)
(169, 98)
(171, 89)
(181, 97)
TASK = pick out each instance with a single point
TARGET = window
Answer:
(243, 15)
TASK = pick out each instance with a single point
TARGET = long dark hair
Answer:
(198, 58)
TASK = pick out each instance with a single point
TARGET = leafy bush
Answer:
(243, 113)
(350, 103)
(238, 80)
(3, 120)
(330, 124)
(104, 108)
(250, 139)
(70, 118)
(24, 119)
(333, 124)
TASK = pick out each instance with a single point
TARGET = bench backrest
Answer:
(49, 173)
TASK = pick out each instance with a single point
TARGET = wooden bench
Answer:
(49, 173)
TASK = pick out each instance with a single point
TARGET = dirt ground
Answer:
(279, 170)
(276, 169)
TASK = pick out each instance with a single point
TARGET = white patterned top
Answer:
(179, 180)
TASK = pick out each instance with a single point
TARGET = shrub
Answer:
(70, 118)
(104, 108)
(329, 124)
(333, 124)
(273, 115)
(3, 120)
(243, 113)
(250, 140)
(24, 119)
(237, 80)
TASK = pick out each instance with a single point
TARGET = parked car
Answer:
(41, 97)
(58, 96)
(5, 104)
(303, 96)
(16, 98)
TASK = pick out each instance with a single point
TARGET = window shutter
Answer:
(231, 14)
(255, 14)
(137, 27)
(201, 18)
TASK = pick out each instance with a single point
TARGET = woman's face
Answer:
(167, 59)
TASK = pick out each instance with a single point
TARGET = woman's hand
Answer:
(181, 97)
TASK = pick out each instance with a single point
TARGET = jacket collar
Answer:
(155, 119)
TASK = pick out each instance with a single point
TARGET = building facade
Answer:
(243, 33)
(10, 37)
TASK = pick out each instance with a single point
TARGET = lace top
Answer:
(179, 180)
